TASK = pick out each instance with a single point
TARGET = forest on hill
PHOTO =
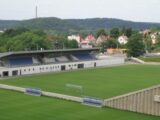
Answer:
(72, 26)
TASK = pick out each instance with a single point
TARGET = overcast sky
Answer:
(135, 10)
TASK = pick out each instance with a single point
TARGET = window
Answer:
(15, 72)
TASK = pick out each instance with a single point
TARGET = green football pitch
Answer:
(101, 83)
(18, 106)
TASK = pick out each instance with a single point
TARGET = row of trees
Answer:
(21, 39)
(116, 32)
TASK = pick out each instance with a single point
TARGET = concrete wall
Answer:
(26, 70)
(44, 93)
(145, 101)
(110, 61)
(14, 88)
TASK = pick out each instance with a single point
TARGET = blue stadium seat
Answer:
(20, 61)
(84, 56)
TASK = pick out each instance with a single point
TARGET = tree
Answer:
(72, 44)
(23, 39)
(114, 32)
(126, 31)
(101, 32)
(135, 45)
(65, 43)
(111, 43)
(148, 43)
(123, 29)
(14, 32)
(156, 46)
(158, 41)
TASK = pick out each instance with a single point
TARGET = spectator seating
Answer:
(84, 56)
(20, 61)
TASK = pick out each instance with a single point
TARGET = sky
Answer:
(134, 10)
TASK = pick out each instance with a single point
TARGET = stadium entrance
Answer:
(63, 67)
(15, 73)
(80, 66)
(5, 74)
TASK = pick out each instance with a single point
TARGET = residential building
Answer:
(101, 39)
(123, 40)
(75, 37)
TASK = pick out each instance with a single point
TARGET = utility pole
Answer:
(36, 10)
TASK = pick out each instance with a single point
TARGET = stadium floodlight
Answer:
(72, 88)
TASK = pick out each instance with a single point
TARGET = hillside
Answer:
(4, 24)
(109, 23)
(70, 25)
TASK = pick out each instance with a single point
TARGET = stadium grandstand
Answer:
(33, 62)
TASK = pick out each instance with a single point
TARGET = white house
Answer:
(123, 39)
(75, 37)
(1, 31)
(153, 38)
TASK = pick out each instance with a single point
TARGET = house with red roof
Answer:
(88, 42)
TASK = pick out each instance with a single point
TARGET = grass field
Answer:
(151, 59)
(102, 82)
(18, 106)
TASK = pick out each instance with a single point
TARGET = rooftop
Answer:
(47, 51)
